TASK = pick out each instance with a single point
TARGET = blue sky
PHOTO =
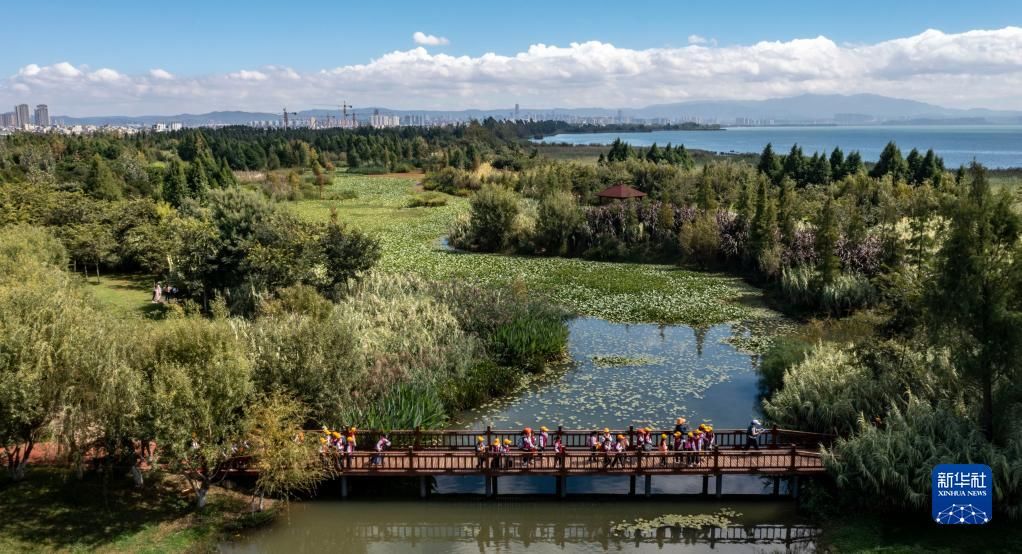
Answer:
(147, 57)
(190, 37)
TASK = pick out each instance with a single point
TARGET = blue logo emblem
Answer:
(963, 494)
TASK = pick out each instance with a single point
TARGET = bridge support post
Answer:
(719, 485)
(489, 485)
(560, 485)
(649, 485)
(706, 485)
(423, 488)
(495, 491)
(631, 485)
(344, 487)
(794, 485)
(777, 486)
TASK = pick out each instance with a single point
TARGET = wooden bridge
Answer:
(423, 454)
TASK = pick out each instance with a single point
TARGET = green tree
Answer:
(826, 243)
(100, 181)
(890, 163)
(287, 460)
(768, 164)
(175, 184)
(200, 380)
(974, 307)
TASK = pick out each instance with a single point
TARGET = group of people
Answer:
(339, 447)
(163, 293)
(685, 443)
(498, 454)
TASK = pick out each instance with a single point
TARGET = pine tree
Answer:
(175, 184)
(768, 164)
(853, 163)
(837, 164)
(890, 163)
(795, 165)
(100, 182)
(826, 244)
(198, 180)
(706, 197)
(973, 304)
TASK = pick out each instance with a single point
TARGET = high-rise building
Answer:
(21, 112)
(42, 115)
(516, 111)
(8, 119)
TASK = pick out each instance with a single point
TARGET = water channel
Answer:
(619, 375)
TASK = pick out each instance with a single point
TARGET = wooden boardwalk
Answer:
(433, 462)
(424, 454)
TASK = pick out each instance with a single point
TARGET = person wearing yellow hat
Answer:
(690, 447)
(618, 450)
(543, 439)
(711, 437)
(505, 452)
(480, 451)
(528, 446)
(495, 454)
(678, 446)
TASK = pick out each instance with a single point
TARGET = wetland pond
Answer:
(619, 375)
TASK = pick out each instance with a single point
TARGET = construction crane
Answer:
(344, 107)
(286, 114)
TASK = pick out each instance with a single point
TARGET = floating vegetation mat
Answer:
(411, 242)
(721, 518)
(618, 361)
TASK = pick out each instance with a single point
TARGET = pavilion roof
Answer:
(620, 191)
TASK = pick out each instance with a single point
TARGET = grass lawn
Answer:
(411, 240)
(52, 512)
(126, 294)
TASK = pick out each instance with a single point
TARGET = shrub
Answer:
(493, 212)
(558, 221)
(783, 354)
(827, 392)
(700, 239)
(846, 293)
(451, 181)
(427, 200)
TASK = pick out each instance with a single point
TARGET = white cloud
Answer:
(248, 75)
(975, 68)
(161, 74)
(697, 39)
(104, 74)
(429, 40)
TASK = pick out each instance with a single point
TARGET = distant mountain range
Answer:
(854, 109)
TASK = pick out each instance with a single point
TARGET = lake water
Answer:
(996, 146)
(620, 375)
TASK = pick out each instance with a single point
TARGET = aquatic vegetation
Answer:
(410, 240)
(723, 517)
(619, 361)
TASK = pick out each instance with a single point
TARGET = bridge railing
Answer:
(431, 462)
(419, 439)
